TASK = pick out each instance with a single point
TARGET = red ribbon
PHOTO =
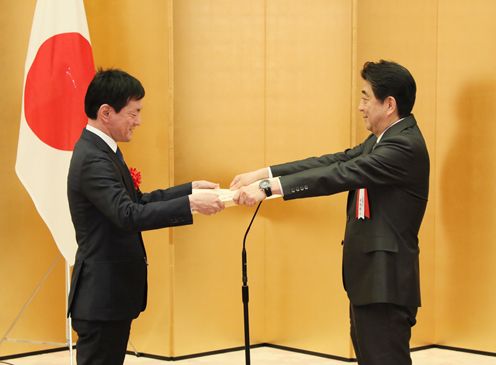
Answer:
(362, 204)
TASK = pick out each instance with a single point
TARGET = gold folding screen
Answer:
(466, 142)
(236, 85)
(219, 128)
(253, 85)
(308, 54)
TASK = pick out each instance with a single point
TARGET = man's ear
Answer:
(104, 112)
(391, 106)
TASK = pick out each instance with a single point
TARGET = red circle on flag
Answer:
(55, 88)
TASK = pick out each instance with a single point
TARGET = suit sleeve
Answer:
(166, 194)
(102, 185)
(316, 162)
(393, 162)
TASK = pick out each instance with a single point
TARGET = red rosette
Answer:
(136, 176)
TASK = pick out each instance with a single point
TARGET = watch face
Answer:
(264, 184)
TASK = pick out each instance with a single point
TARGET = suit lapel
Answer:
(119, 165)
(126, 175)
(369, 145)
(408, 122)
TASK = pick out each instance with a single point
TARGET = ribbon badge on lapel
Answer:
(136, 176)
(362, 204)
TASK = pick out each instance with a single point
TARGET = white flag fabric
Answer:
(59, 67)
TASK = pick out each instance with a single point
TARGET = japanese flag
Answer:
(59, 67)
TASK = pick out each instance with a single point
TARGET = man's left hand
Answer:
(204, 184)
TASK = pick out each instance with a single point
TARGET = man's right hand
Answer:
(205, 203)
(248, 178)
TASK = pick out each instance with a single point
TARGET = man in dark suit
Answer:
(109, 280)
(387, 177)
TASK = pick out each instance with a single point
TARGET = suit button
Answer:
(293, 191)
(306, 187)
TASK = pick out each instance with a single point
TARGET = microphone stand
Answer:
(244, 290)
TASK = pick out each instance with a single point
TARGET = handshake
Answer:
(244, 190)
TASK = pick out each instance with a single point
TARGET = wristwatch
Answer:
(265, 187)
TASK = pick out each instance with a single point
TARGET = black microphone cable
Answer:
(245, 290)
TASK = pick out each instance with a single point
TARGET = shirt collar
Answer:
(106, 138)
(379, 138)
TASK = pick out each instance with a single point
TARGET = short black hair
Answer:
(391, 79)
(113, 87)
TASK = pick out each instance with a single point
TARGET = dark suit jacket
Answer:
(109, 280)
(380, 254)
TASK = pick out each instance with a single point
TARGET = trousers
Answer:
(101, 342)
(381, 333)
